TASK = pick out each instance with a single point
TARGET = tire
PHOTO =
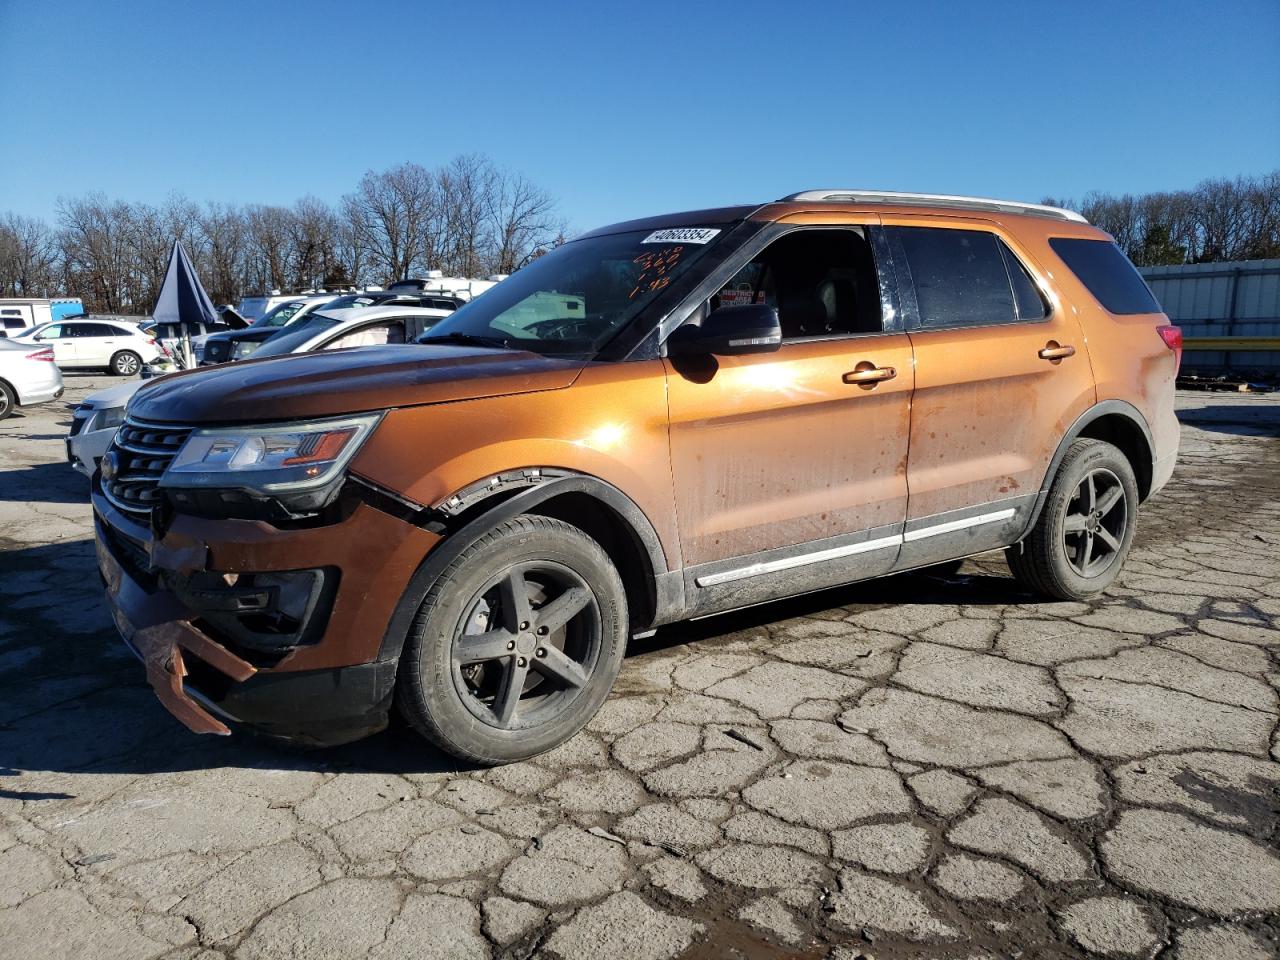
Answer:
(1084, 532)
(457, 693)
(126, 363)
(8, 402)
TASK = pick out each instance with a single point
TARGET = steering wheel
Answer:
(562, 328)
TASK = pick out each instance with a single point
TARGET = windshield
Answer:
(287, 341)
(280, 315)
(574, 299)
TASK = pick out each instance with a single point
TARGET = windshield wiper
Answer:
(471, 338)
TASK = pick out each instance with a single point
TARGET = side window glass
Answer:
(1026, 295)
(959, 277)
(823, 283)
(370, 336)
(52, 333)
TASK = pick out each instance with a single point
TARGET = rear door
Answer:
(790, 467)
(95, 342)
(1001, 373)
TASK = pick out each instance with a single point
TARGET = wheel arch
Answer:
(602, 511)
(1116, 422)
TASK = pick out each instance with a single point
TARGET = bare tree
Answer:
(521, 219)
(391, 212)
(28, 256)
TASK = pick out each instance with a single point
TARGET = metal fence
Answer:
(1229, 314)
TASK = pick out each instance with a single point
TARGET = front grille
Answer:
(143, 453)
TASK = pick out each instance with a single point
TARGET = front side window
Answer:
(1107, 273)
(371, 335)
(822, 282)
(574, 299)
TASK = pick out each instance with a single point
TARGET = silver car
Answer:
(28, 375)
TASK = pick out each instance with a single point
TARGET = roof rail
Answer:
(939, 200)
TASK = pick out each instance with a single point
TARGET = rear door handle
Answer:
(868, 374)
(1055, 352)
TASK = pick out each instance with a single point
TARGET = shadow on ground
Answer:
(43, 483)
(75, 701)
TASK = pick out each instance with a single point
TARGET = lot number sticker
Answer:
(682, 235)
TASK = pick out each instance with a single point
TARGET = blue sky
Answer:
(626, 109)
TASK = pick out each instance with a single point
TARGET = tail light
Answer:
(151, 341)
(45, 354)
(1172, 337)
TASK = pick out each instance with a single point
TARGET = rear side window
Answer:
(1026, 295)
(1108, 274)
(959, 276)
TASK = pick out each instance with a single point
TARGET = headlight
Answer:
(243, 348)
(109, 418)
(276, 458)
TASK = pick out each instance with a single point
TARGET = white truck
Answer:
(21, 313)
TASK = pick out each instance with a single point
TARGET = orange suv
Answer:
(659, 420)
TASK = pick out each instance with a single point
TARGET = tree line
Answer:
(467, 218)
(1218, 219)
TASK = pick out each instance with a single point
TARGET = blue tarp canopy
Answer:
(182, 298)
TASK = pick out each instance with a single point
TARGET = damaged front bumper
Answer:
(327, 683)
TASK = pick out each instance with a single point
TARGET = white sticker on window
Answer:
(682, 235)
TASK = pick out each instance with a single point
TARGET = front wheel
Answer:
(126, 363)
(516, 645)
(8, 402)
(1085, 530)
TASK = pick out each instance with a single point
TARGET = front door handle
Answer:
(1055, 352)
(868, 374)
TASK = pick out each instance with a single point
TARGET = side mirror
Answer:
(728, 332)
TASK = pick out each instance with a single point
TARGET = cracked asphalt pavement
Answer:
(923, 766)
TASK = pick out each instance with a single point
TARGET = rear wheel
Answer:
(1084, 532)
(126, 363)
(8, 402)
(516, 645)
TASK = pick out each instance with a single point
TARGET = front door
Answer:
(790, 467)
(1001, 373)
(64, 345)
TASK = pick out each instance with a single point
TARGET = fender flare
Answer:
(667, 587)
(1099, 410)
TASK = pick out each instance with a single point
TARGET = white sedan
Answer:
(96, 419)
(114, 345)
(28, 375)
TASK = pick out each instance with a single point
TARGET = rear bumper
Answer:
(331, 690)
(32, 394)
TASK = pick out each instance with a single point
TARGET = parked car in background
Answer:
(435, 282)
(336, 329)
(94, 423)
(116, 346)
(238, 344)
(28, 375)
(255, 308)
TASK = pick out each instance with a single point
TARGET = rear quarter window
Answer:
(1107, 273)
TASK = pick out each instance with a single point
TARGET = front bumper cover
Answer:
(328, 692)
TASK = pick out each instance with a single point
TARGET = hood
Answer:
(115, 396)
(331, 383)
